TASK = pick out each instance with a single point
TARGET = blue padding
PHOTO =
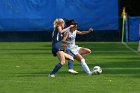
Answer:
(36, 15)
(134, 28)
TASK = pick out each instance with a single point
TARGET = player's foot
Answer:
(91, 73)
(52, 76)
(72, 71)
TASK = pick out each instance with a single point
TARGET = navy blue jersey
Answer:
(56, 36)
(56, 41)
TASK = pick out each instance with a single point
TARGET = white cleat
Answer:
(72, 71)
(52, 76)
(91, 73)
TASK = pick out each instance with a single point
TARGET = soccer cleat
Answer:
(72, 71)
(91, 73)
(52, 76)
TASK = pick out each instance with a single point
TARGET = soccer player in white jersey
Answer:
(75, 51)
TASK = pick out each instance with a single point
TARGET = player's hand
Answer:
(90, 29)
(71, 26)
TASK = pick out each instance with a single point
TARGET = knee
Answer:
(62, 62)
(71, 58)
(89, 51)
(82, 60)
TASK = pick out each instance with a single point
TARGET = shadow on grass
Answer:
(119, 67)
(40, 74)
(121, 71)
(131, 68)
(128, 58)
(34, 53)
(137, 76)
(28, 49)
(134, 72)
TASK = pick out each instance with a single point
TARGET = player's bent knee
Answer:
(71, 58)
(62, 62)
(89, 51)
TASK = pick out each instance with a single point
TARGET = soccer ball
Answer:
(97, 70)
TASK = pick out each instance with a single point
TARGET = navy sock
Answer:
(56, 68)
(70, 64)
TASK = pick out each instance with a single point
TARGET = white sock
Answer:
(85, 66)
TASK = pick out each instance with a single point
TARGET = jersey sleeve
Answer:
(66, 31)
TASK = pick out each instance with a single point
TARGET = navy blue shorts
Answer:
(56, 48)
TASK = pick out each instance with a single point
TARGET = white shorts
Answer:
(73, 51)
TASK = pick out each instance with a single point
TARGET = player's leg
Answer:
(72, 52)
(61, 57)
(70, 64)
(68, 57)
(83, 63)
(84, 51)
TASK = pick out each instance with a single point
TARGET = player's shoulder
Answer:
(76, 31)
(67, 32)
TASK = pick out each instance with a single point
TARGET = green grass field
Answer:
(24, 68)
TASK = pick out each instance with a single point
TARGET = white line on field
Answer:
(131, 49)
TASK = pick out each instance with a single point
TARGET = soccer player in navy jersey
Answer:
(57, 44)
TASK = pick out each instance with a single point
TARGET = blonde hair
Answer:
(58, 22)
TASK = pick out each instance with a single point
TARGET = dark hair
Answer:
(70, 22)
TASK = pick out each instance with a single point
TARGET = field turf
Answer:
(24, 68)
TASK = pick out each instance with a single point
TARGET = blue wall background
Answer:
(38, 15)
(134, 28)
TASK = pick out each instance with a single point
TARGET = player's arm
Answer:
(65, 29)
(65, 38)
(84, 32)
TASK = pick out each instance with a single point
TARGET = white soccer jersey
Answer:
(72, 49)
(71, 38)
